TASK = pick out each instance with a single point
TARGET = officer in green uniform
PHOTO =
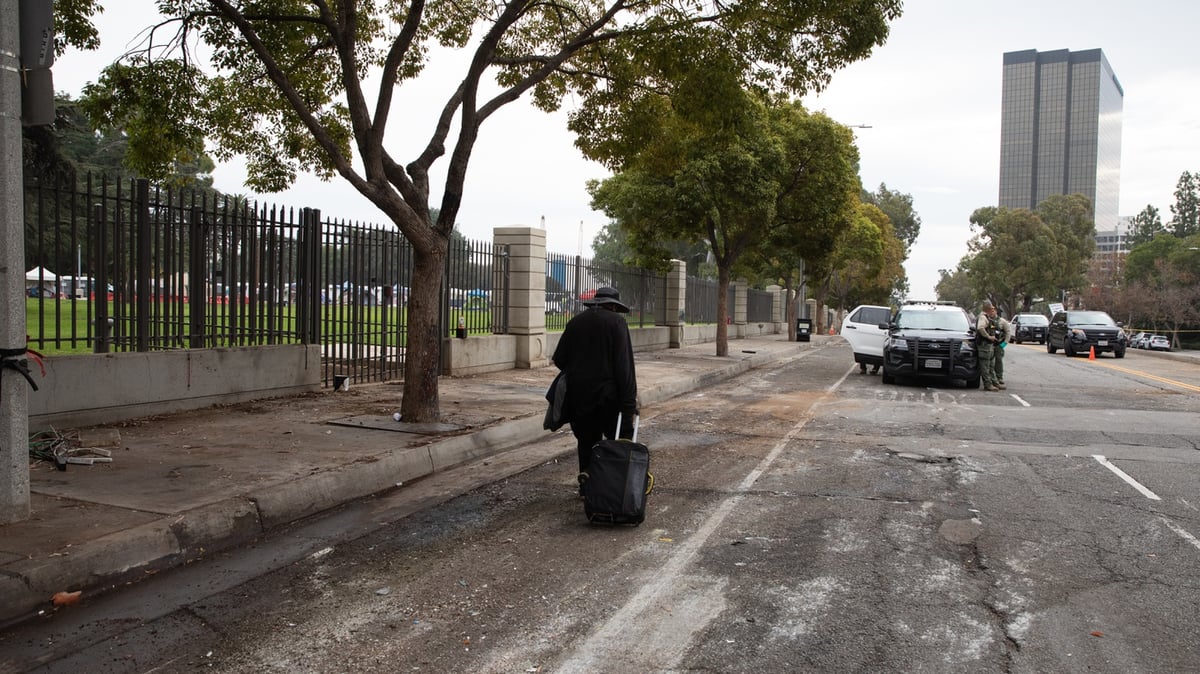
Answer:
(988, 333)
(1006, 336)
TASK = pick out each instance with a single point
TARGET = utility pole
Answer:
(14, 394)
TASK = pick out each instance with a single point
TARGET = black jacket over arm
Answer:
(596, 353)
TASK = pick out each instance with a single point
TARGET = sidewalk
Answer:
(185, 485)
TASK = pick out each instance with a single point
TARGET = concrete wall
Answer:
(95, 389)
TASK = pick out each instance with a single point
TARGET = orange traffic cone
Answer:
(1091, 353)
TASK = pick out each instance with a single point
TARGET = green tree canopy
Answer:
(736, 175)
(955, 285)
(899, 209)
(1147, 262)
(1145, 226)
(1017, 254)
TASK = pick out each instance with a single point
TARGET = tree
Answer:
(955, 286)
(1145, 226)
(734, 172)
(1185, 212)
(1145, 264)
(1017, 254)
(899, 209)
(1014, 258)
(289, 88)
(866, 260)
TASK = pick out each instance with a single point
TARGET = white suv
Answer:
(861, 328)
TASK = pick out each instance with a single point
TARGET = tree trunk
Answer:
(819, 319)
(422, 358)
(722, 311)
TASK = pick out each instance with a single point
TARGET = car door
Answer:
(861, 329)
(1057, 332)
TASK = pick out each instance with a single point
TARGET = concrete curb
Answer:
(178, 538)
(125, 555)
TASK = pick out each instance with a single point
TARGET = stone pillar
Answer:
(740, 295)
(526, 292)
(778, 298)
(676, 301)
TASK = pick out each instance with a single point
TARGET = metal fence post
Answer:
(103, 329)
(143, 280)
(197, 297)
(308, 283)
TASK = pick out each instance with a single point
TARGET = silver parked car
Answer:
(1159, 343)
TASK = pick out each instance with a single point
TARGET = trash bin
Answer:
(803, 329)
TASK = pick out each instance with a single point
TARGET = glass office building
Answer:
(1060, 130)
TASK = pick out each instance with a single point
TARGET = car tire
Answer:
(1068, 349)
(973, 383)
(1118, 353)
(886, 377)
(1042, 342)
(1050, 347)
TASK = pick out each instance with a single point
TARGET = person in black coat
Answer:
(596, 354)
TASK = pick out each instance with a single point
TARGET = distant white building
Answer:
(1114, 240)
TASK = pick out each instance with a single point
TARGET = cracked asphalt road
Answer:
(805, 518)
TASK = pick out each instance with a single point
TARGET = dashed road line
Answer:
(1018, 399)
(1179, 531)
(1183, 533)
(1125, 476)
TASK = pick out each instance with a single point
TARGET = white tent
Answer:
(47, 280)
(40, 274)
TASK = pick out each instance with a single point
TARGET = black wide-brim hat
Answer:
(609, 296)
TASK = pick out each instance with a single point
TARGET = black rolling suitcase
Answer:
(618, 480)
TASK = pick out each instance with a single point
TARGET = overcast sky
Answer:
(931, 96)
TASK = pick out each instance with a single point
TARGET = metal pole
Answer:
(14, 393)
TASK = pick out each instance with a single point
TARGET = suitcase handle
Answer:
(617, 433)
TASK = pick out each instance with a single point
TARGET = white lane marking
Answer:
(1125, 476)
(604, 643)
(1018, 399)
(1183, 533)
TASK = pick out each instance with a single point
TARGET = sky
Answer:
(930, 95)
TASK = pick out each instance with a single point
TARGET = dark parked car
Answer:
(930, 339)
(1078, 332)
(1030, 328)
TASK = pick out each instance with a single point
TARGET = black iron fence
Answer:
(700, 300)
(572, 280)
(124, 266)
(759, 304)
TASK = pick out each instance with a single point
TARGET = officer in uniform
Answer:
(988, 333)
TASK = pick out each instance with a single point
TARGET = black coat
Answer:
(596, 353)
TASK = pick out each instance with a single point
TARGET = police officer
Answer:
(988, 334)
(1006, 336)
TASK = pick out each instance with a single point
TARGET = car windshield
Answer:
(932, 320)
(1033, 319)
(1090, 318)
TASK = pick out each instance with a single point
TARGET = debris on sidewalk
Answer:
(63, 449)
(84, 456)
(66, 598)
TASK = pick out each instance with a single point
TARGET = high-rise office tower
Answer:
(1060, 130)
